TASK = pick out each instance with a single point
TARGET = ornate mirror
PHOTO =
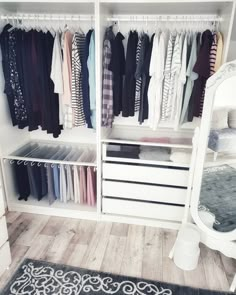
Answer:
(213, 203)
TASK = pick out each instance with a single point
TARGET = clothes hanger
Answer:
(51, 29)
(59, 26)
(91, 22)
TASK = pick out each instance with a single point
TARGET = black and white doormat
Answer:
(42, 278)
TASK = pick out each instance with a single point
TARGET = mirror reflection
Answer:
(217, 206)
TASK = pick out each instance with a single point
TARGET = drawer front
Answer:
(2, 209)
(5, 257)
(3, 231)
(142, 209)
(143, 192)
(146, 174)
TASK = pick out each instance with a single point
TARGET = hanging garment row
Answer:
(161, 78)
(49, 76)
(55, 182)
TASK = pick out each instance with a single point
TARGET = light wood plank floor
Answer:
(117, 248)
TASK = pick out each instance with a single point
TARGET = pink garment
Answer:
(67, 73)
(83, 185)
(91, 186)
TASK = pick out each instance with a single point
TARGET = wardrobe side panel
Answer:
(226, 27)
(9, 182)
(101, 14)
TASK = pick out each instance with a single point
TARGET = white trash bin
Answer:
(187, 251)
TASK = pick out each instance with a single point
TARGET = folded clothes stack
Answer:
(154, 153)
(181, 156)
(123, 151)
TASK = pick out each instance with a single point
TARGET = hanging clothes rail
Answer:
(48, 17)
(166, 18)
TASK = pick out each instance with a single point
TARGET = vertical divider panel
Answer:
(98, 71)
(226, 27)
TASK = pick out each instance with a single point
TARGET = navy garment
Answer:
(4, 40)
(202, 68)
(128, 99)
(143, 112)
(27, 59)
(85, 81)
(22, 180)
(29, 81)
(48, 100)
(117, 66)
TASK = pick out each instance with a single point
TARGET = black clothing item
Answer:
(117, 66)
(85, 81)
(128, 99)
(202, 68)
(19, 103)
(147, 51)
(22, 180)
(4, 40)
(43, 174)
(49, 99)
(27, 58)
(29, 80)
(123, 151)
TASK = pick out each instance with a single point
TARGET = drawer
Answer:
(3, 231)
(5, 257)
(2, 208)
(136, 173)
(142, 209)
(136, 191)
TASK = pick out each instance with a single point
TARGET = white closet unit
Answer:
(14, 142)
(128, 190)
(156, 192)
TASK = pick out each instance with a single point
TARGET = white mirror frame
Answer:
(226, 71)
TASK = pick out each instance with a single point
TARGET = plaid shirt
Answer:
(107, 86)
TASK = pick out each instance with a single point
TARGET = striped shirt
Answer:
(107, 87)
(167, 77)
(139, 80)
(78, 46)
(212, 57)
(213, 52)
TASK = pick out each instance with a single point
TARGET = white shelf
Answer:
(58, 208)
(135, 142)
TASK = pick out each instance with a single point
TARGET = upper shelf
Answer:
(164, 7)
(72, 6)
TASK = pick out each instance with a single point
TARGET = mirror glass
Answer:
(217, 204)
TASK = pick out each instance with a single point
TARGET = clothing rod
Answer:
(48, 161)
(166, 18)
(49, 17)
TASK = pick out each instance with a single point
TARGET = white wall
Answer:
(232, 50)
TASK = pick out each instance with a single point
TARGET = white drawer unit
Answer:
(142, 209)
(144, 192)
(146, 174)
(5, 257)
(3, 231)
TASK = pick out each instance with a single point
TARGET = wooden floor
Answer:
(117, 248)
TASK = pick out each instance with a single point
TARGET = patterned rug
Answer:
(40, 278)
